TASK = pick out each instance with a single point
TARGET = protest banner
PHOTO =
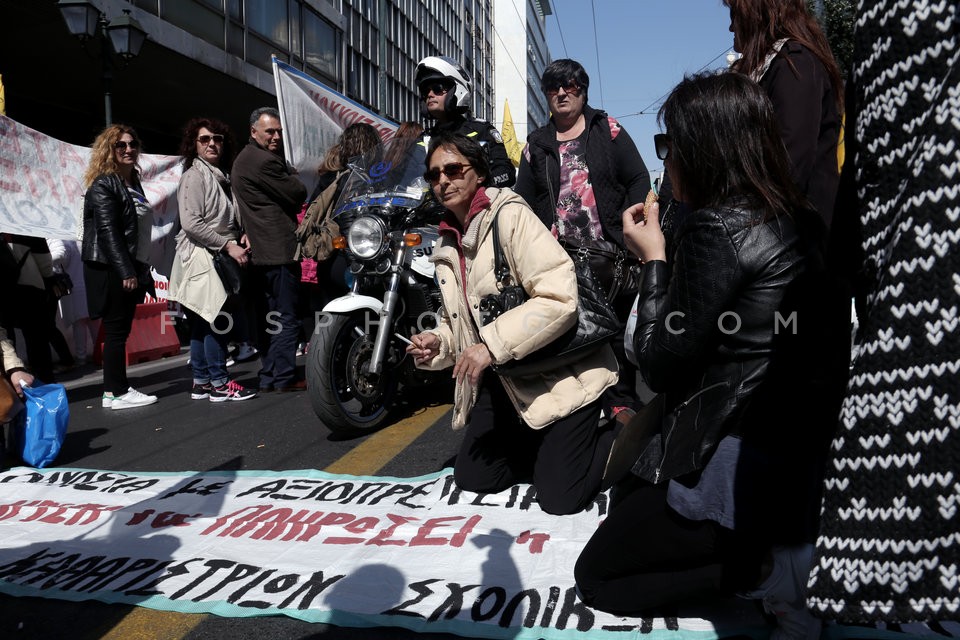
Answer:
(41, 189)
(313, 117)
(351, 551)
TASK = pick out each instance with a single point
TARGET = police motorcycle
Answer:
(356, 363)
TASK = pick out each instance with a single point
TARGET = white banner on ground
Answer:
(350, 551)
(314, 116)
(41, 188)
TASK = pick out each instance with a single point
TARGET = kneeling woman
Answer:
(730, 331)
(541, 428)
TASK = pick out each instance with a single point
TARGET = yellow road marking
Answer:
(148, 624)
(377, 450)
(363, 460)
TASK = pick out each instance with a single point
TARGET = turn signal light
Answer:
(412, 239)
(340, 242)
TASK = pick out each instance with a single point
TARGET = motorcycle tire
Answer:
(341, 394)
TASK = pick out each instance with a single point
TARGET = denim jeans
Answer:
(208, 350)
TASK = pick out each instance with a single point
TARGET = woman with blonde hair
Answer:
(117, 224)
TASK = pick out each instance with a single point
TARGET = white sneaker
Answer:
(106, 400)
(132, 398)
(245, 352)
(784, 594)
(301, 349)
(230, 362)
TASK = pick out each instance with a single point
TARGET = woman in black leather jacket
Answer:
(117, 224)
(725, 463)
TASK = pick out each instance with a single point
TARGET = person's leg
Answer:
(644, 555)
(215, 348)
(264, 281)
(570, 460)
(623, 395)
(116, 328)
(498, 448)
(283, 344)
(198, 357)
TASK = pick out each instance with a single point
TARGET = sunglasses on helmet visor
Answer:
(436, 88)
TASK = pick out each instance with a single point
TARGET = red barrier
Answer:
(152, 336)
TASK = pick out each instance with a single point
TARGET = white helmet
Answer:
(434, 68)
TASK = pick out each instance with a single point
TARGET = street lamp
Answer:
(124, 34)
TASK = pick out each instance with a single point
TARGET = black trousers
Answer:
(277, 287)
(106, 299)
(644, 555)
(564, 460)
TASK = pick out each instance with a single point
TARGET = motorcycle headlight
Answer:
(365, 237)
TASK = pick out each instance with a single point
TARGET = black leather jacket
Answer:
(730, 333)
(110, 225)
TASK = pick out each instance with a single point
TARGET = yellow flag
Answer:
(510, 136)
(3, 100)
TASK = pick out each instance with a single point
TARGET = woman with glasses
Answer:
(445, 90)
(718, 479)
(541, 428)
(578, 173)
(117, 228)
(208, 228)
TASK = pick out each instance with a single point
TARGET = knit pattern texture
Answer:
(889, 543)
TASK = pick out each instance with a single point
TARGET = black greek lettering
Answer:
(422, 589)
(499, 598)
(508, 611)
(453, 603)
(312, 588)
(573, 606)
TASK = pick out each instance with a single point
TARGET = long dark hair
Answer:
(762, 22)
(355, 140)
(726, 144)
(188, 144)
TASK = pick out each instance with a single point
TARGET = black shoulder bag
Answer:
(597, 322)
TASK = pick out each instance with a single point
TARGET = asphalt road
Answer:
(273, 431)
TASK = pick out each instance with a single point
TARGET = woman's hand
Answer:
(129, 284)
(472, 362)
(641, 232)
(424, 347)
(237, 252)
(20, 377)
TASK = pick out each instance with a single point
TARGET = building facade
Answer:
(212, 57)
(521, 55)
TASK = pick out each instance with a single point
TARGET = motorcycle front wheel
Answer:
(343, 393)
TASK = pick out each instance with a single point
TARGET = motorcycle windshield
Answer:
(390, 177)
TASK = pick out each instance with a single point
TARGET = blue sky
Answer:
(638, 51)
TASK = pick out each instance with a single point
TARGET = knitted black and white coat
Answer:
(889, 543)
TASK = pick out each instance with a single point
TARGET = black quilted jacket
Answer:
(717, 334)
(110, 225)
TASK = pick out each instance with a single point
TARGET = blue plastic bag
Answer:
(42, 425)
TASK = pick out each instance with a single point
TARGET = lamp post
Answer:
(124, 35)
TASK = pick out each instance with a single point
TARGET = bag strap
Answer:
(501, 269)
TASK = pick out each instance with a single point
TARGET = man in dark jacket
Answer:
(579, 173)
(268, 199)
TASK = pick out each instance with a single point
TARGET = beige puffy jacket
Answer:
(546, 272)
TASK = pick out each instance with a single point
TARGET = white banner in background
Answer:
(351, 551)
(41, 188)
(314, 116)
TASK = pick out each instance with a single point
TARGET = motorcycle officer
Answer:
(445, 90)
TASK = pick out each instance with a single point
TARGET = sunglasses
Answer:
(662, 143)
(205, 139)
(451, 170)
(572, 89)
(437, 89)
(121, 145)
